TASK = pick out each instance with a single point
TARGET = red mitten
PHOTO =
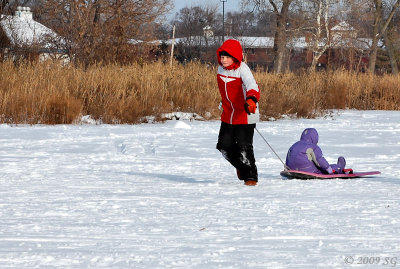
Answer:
(250, 106)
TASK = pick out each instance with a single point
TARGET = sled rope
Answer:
(284, 165)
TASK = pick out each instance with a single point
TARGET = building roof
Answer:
(343, 26)
(22, 30)
(247, 42)
(338, 40)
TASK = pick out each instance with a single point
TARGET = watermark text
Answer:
(371, 260)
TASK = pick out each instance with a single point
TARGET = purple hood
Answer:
(310, 135)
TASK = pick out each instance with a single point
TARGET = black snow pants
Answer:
(235, 142)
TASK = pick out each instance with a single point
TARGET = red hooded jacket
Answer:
(236, 83)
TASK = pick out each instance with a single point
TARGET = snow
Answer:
(161, 196)
(343, 26)
(25, 31)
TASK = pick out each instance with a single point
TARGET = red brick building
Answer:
(345, 50)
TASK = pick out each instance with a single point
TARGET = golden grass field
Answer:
(49, 93)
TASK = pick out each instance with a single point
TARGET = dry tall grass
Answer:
(309, 95)
(51, 94)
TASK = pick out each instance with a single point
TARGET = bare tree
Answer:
(379, 28)
(8, 6)
(241, 23)
(389, 39)
(3, 4)
(103, 30)
(320, 32)
(281, 10)
(191, 23)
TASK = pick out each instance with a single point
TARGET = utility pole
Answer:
(172, 46)
(223, 19)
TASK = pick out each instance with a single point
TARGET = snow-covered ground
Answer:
(161, 196)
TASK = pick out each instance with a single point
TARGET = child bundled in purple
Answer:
(306, 156)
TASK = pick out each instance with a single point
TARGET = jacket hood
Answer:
(232, 47)
(310, 135)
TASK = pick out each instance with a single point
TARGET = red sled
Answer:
(294, 174)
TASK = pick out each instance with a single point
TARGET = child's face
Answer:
(226, 61)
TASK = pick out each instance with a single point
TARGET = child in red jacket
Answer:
(240, 94)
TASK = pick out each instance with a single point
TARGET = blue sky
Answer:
(230, 5)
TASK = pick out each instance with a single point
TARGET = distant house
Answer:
(258, 51)
(22, 36)
(345, 50)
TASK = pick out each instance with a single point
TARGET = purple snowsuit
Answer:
(306, 156)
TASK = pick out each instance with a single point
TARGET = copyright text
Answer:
(370, 260)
